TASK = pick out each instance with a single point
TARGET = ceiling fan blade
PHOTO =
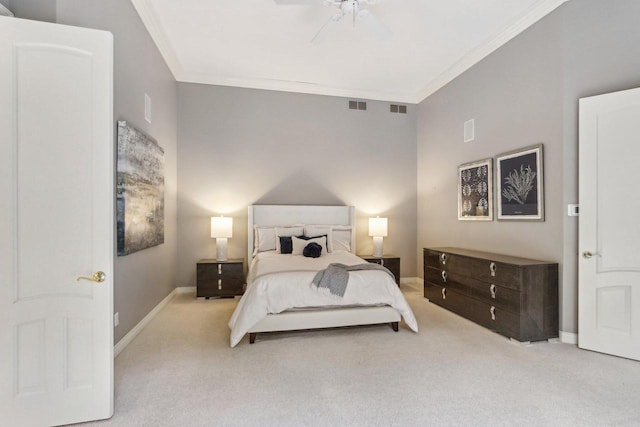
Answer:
(373, 24)
(327, 28)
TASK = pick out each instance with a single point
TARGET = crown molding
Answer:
(296, 87)
(159, 37)
(537, 12)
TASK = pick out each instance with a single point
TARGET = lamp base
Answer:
(221, 248)
(377, 247)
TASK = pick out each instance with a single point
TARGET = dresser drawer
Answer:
(214, 271)
(432, 259)
(489, 315)
(444, 279)
(220, 287)
(486, 270)
(491, 293)
(506, 298)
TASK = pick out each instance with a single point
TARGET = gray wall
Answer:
(525, 93)
(38, 10)
(241, 146)
(144, 278)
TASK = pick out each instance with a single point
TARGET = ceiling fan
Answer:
(358, 16)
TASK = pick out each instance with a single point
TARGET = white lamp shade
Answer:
(221, 226)
(378, 227)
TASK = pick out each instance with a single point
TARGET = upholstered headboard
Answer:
(283, 215)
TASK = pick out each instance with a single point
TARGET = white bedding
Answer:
(279, 282)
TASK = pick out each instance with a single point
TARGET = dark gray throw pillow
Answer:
(312, 250)
(286, 247)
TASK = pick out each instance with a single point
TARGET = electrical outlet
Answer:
(116, 319)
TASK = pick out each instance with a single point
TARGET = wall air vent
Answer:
(357, 105)
(395, 108)
(469, 130)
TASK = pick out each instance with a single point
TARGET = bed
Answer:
(279, 294)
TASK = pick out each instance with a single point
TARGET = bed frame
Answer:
(290, 320)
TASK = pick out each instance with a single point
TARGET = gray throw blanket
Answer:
(335, 277)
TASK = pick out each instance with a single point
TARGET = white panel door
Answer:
(56, 223)
(609, 266)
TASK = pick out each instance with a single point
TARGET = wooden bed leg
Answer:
(394, 326)
(252, 337)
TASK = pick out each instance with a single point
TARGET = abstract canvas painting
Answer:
(139, 191)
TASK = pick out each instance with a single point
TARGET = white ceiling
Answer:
(264, 45)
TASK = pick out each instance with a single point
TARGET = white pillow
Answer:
(264, 239)
(297, 230)
(319, 230)
(299, 244)
(340, 239)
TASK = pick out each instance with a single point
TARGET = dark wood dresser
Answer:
(515, 297)
(219, 278)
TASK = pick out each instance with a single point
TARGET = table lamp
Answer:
(378, 230)
(221, 230)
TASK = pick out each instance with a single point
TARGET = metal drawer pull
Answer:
(219, 268)
(444, 293)
(492, 290)
(219, 284)
(382, 262)
(444, 276)
(492, 269)
(443, 257)
(492, 310)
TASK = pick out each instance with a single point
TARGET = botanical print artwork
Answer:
(475, 191)
(520, 184)
(140, 191)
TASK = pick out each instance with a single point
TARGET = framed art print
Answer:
(520, 184)
(475, 191)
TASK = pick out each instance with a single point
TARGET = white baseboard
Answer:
(568, 338)
(126, 340)
(410, 280)
(186, 290)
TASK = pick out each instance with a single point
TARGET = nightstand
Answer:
(220, 278)
(392, 262)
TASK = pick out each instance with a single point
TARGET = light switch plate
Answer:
(573, 209)
(147, 108)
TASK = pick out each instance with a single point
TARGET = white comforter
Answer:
(280, 282)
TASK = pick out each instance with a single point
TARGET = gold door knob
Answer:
(98, 277)
(587, 254)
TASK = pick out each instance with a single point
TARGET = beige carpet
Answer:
(180, 371)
